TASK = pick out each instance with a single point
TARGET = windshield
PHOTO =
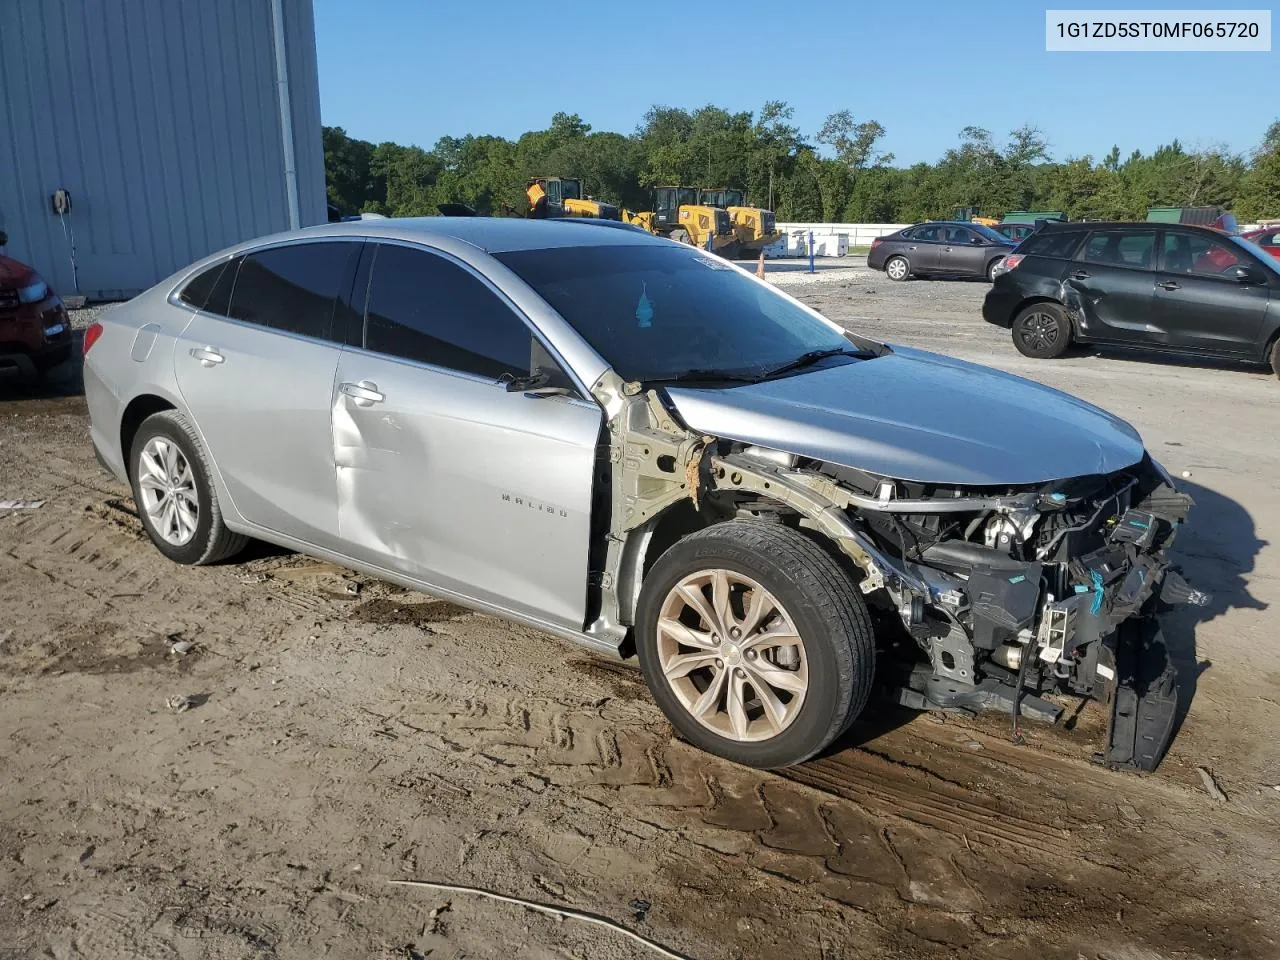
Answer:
(987, 233)
(1258, 252)
(686, 196)
(572, 189)
(733, 198)
(661, 312)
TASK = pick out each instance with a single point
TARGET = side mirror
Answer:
(538, 385)
(1247, 274)
(977, 241)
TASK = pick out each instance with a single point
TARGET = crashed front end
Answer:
(1055, 588)
(1004, 593)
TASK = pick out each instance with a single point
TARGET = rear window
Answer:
(1122, 248)
(292, 288)
(211, 289)
(1058, 245)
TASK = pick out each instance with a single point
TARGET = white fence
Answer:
(829, 239)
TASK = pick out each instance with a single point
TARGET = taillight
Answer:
(876, 241)
(1013, 259)
(91, 335)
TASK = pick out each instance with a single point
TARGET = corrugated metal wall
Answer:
(162, 119)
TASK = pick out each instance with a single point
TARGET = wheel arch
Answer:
(1268, 352)
(135, 413)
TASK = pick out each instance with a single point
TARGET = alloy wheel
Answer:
(732, 655)
(897, 269)
(168, 490)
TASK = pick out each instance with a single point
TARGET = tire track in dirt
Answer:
(907, 849)
(857, 829)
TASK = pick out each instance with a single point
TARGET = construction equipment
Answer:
(754, 227)
(974, 215)
(678, 215)
(562, 197)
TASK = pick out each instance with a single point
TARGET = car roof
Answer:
(490, 234)
(1051, 226)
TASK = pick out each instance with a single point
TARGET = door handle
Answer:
(1167, 285)
(365, 393)
(1081, 275)
(208, 356)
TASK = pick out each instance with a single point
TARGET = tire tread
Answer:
(221, 543)
(838, 604)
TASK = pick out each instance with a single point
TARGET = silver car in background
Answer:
(640, 447)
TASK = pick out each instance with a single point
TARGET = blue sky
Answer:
(415, 70)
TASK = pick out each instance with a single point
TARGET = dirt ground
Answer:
(340, 733)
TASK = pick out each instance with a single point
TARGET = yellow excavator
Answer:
(562, 197)
(678, 215)
(754, 227)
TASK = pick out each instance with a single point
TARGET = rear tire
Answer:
(681, 235)
(809, 644)
(897, 268)
(174, 494)
(1275, 357)
(1042, 331)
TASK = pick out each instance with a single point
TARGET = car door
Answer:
(1110, 285)
(442, 472)
(258, 383)
(922, 246)
(962, 253)
(1199, 302)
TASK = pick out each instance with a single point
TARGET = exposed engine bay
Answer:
(1005, 593)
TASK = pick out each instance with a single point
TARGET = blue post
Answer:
(811, 269)
(711, 239)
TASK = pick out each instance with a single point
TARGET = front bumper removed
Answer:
(1083, 622)
(1138, 682)
(1143, 697)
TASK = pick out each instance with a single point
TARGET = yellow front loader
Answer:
(562, 197)
(754, 227)
(678, 215)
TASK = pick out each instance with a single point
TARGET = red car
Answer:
(1268, 238)
(35, 331)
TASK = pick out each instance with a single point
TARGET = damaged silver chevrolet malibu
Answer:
(642, 448)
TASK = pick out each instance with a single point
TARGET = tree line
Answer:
(838, 174)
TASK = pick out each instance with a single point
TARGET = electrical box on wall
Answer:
(61, 201)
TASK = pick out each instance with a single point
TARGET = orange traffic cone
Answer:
(760, 266)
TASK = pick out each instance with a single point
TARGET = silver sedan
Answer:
(642, 448)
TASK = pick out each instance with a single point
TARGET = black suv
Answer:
(942, 247)
(1175, 288)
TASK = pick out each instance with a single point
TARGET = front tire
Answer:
(681, 235)
(1042, 331)
(1275, 357)
(755, 643)
(897, 268)
(172, 489)
(991, 269)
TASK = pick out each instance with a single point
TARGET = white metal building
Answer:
(176, 127)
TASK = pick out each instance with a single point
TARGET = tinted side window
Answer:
(1122, 248)
(1058, 245)
(292, 288)
(959, 235)
(1194, 253)
(927, 233)
(423, 307)
(198, 290)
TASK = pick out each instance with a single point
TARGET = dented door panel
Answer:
(454, 481)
